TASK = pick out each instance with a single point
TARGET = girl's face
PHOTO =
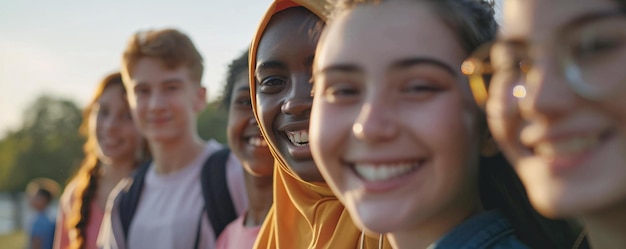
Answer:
(111, 123)
(394, 129)
(244, 136)
(569, 151)
(283, 90)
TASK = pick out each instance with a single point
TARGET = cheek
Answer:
(131, 132)
(236, 125)
(267, 110)
(94, 128)
(447, 127)
(330, 129)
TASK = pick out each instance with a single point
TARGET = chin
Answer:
(378, 216)
(557, 205)
(377, 222)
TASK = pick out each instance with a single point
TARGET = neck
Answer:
(114, 171)
(111, 173)
(433, 228)
(606, 228)
(175, 155)
(260, 198)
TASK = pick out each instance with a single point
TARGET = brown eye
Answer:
(341, 92)
(272, 84)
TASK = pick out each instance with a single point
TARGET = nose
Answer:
(252, 121)
(299, 100)
(548, 93)
(156, 101)
(375, 122)
(111, 123)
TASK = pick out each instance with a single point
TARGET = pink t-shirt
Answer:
(63, 236)
(238, 236)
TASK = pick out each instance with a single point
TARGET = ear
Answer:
(488, 146)
(200, 101)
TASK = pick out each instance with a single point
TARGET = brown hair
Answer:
(473, 23)
(172, 47)
(86, 179)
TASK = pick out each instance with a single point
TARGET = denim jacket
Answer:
(487, 230)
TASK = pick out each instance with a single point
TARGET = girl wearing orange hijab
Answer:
(305, 213)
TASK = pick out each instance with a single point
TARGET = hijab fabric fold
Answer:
(304, 214)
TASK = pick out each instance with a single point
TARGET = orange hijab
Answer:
(304, 214)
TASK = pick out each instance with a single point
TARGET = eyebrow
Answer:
(341, 68)
(582, 19)
(242, 89)
(172, 81)
(589, 17)
(267, 65)
(167, 81)
(415, 61)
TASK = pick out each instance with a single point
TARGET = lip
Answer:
(297, 152)
(246, 142)
(158, 120)
(386, 185)
(564, 161)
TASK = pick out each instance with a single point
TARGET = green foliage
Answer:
(47, 145)
(212, 122)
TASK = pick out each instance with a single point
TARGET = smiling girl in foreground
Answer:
(397, 136)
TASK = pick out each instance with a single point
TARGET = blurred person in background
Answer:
(553, 87)
(164, 205)
(249, 146)
(112, 150)
(40, 193)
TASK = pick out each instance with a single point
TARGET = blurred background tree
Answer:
(212, 122)
(48, 143)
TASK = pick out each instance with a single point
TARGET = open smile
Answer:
(298, 138)
(375, 172)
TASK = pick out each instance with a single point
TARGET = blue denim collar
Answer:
(483, 230)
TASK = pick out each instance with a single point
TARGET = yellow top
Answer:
(304, 214)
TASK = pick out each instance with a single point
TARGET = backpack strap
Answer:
(130, 198)
(217, 201)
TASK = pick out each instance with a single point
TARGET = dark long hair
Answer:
(500, 188)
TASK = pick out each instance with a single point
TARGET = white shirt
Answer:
(170, 207)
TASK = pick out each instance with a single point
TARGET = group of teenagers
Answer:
(367, 124)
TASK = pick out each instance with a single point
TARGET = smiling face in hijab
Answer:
(283, 89)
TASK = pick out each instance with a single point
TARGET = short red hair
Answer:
(172, 47)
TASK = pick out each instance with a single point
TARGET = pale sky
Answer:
(65, 47)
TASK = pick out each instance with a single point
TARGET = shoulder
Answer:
(42, 224)
(486, 230)
(65, 202)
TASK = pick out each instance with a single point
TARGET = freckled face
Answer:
(283, 89)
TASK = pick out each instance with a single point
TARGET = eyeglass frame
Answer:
(478, 64)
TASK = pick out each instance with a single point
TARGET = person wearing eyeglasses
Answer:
(554, 88)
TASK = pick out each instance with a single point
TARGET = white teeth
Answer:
(569, 146)
(299, 138)
(381, 172)
(257, 141)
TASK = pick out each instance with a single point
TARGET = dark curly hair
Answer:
(236, 67)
